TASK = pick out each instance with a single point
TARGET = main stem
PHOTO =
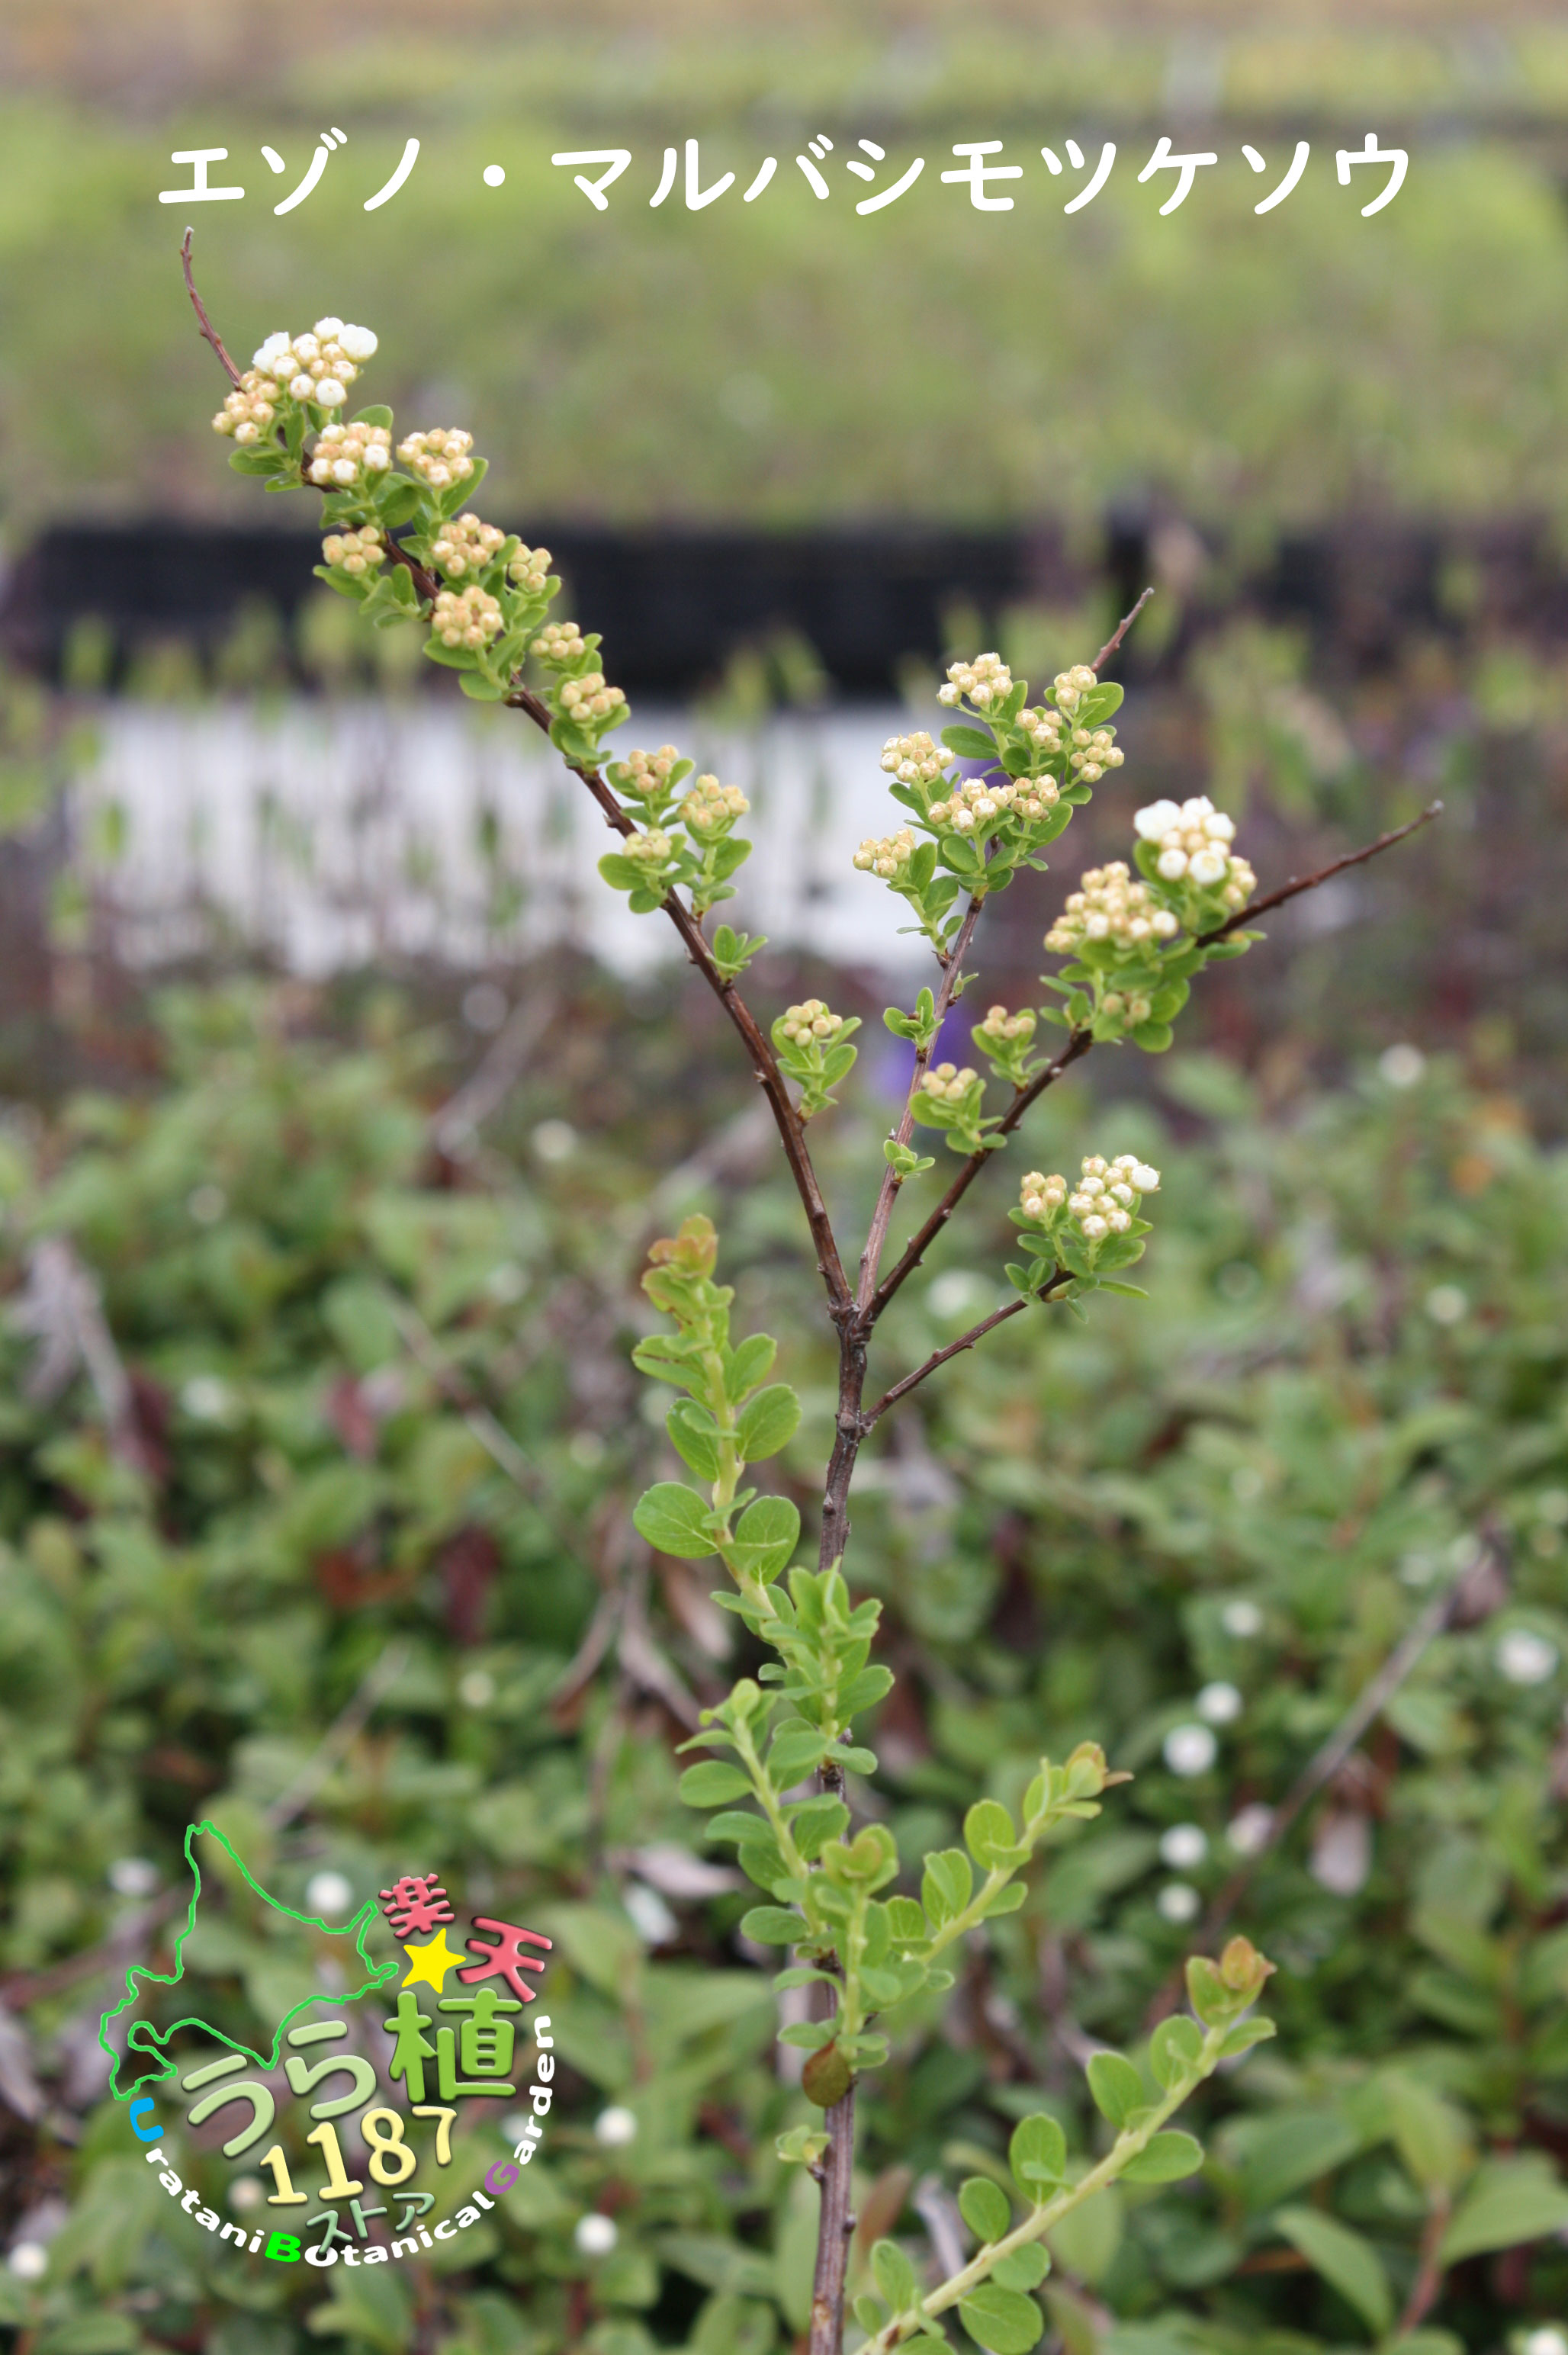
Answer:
(834, 2172)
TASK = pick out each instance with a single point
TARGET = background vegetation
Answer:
(316, 1395)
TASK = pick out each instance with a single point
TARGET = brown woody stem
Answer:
(833, 2172)
(792, 1135)
(199, 307)
(953, 1348)
(1120, 631)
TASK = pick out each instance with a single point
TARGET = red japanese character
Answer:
(506, 1956)
(416, 1904)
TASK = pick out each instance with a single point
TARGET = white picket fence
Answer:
(334, 833)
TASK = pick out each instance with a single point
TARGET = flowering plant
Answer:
(783, 1751)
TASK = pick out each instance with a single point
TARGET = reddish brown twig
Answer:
(1079, 1043)
(832, 2172)
(953, 1348)
(792, 1135)
(1299, 883)
(948, 988)
(199, 307)
(1120, 631)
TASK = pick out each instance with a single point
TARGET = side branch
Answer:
(1081, 1042)
(1120, 631)
(947, 990)
(967, 1341)
(1299, 883)
(1078, 1044)
(791, 1133)
(199, 307)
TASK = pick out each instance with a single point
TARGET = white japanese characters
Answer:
(596, 170)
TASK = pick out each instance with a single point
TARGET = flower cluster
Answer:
(1005, 1041)
(979, 799)
(464, 545)
(1043, 727)
(559, 643)
(915, 760)
(1103, 1202)
(985, 681)
(710, 807)
(530, 569)
(1069, 686)
(1005, 1028)
(251, 407)
(890, 857)
(346, 454)
(1192, 842)
(1110, 906)
(354, 552)
(1094, 752)
(652, 847)
(812, 1044)
(439, 457)
(947, 1084)
(813, 1019)
(319, 366)
(588, 698)
(645, 774)
(467, 617)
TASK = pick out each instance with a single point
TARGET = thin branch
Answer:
(199, 307)
(1427, 2287)
(1082, 1040)
(1297, 884)
(953, 1348)
(1120, 631)
(1078, 1044)
(791, 1133)
(948, 988)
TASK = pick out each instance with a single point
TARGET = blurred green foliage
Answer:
(786, 359)
(1347, 1389)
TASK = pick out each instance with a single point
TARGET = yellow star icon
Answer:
(429, 1964)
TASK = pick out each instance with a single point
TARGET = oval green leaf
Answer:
(1002, 2321)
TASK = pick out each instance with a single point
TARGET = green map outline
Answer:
(144, 2040)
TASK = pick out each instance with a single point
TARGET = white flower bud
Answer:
(1172, 865)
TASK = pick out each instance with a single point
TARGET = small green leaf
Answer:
(765, 1536)
(970, 743)
(671, 1518)
(772, 1925)
(1345, 2260)
(794, 1752)
(1243, 2037)
(989, 1834)
(1116, 2086)
(894, 2275)
(946, 1884)
(1023, 2269)
(711, 1783)
(748, 1365)
(985, 2208)
(692, 1435)
(1002, 2321)
(1037, 2155)
(1507, 2201)
(1165, 2158)
(767, 1421)
(1174, 2048)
